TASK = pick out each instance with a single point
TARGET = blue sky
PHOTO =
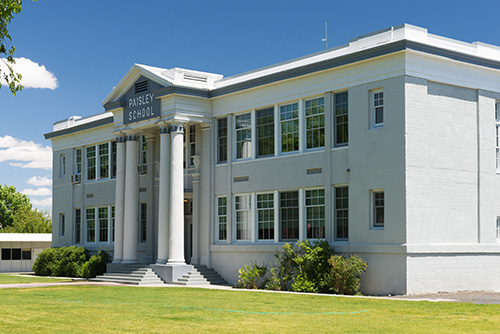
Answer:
(81, 49)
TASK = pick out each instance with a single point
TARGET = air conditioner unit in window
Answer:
(76, 178)
(142, 169)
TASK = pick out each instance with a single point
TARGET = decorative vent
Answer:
(318, 170)
(76, 178)
(141, 86)
(241, 178)
(90, 195)
(196, 78)
(143, 189)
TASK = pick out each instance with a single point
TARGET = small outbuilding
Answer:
(19, 250)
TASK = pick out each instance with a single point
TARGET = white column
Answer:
(206, 196)
(131, 228)
(195, 257)
(163, 195)
(176, 240)
(119, 198)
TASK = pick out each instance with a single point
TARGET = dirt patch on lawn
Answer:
(475, 297)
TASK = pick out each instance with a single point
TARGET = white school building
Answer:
(387, 147)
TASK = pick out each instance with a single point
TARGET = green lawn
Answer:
(80, 309)
(12, 279)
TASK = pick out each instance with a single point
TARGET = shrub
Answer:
(345, 274)
(62, 261)
(283, 271)
(252, 277)
(96, 265)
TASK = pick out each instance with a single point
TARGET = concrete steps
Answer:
(131, 274)
(201, 275)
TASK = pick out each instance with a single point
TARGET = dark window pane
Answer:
(6, 254)
(16, 253)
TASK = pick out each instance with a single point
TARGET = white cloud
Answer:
(46, 202)
(37, 192)
(25, 154)
(39, 181)
(34, 75)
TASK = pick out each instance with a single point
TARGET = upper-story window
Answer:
(78, 161)
(222, 140)
(315, 122)
(289, 121)
(497, 129)
(62, 167)
(265, 132)
(192, 144)
(340, 119)
(103, 160)
(143, 155)
(113, 159)
(377, 107)
(91, 167)
(243, 127)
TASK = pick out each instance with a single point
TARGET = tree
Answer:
(28, 220)
(11, 202)
(9, 8)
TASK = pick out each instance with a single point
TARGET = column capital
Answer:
(120, 138)
(131, 136)
(164, 129)
(177, 127)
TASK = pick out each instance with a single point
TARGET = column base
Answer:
(170, 273)
(117, 261)
(161, 261)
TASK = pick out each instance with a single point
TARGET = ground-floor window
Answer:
(378, 200)
(243, 205)
(98, 224)
(16, 254)
(315, 213)
(265, 216)
(341, 213)
(78, 224)
(222, 218)
(144, 223)
(289, 215)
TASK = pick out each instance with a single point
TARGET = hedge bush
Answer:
(306, 267)
(70, 262)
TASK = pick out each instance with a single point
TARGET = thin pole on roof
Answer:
(326, 36)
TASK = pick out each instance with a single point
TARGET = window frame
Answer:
(62, 224)
(313, 208)
(375, 204)
(243, 152)
(497, 141)
(296, 220)
(377, 96)
(246, 234)
(222, 140)
(337, 124)
(263, 127)
(143, 222)
(320, 116)
(222, 218)
(62, 165)
(78, 161)
(285, 121)
(78, 225)
(270, 221)
(104, 168)
(341, 212)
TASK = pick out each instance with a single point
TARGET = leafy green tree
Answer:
(9, 8)
(11, 202)
(29, 220)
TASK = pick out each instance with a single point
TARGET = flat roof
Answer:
(26, 237)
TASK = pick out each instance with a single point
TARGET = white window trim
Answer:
(319, 148)
(62, 224)
(217, 216)
(235, 137)
(372, 209)
(305, 210)
(251, 219)
(334, 198)
(498, 229)
(97, 226)
(372, 108)
(256, 215)
(62, 165)
(97, 162)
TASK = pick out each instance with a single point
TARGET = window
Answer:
(289, 215)
(243, 126)
(26, 254)
(378, 209)
(377, 107)
(315, 213)
(103, 224)
(62, 224)
(113, 159)
(265, 132)
(113, 222)
(143, 156)
(222, 217)
(6, 254)
(103, 160)
(90, 220)
(62, 160)
(144, 223)
(192, 144)
(498, 229)
(91, 168)
(78, 225)
(16, 254)
(289, 120)
(222, 140)
(341, 213)
(340, 120)
(78, 161)
(315, 122)
(497, 125)
(265, 216)
(243, 217)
